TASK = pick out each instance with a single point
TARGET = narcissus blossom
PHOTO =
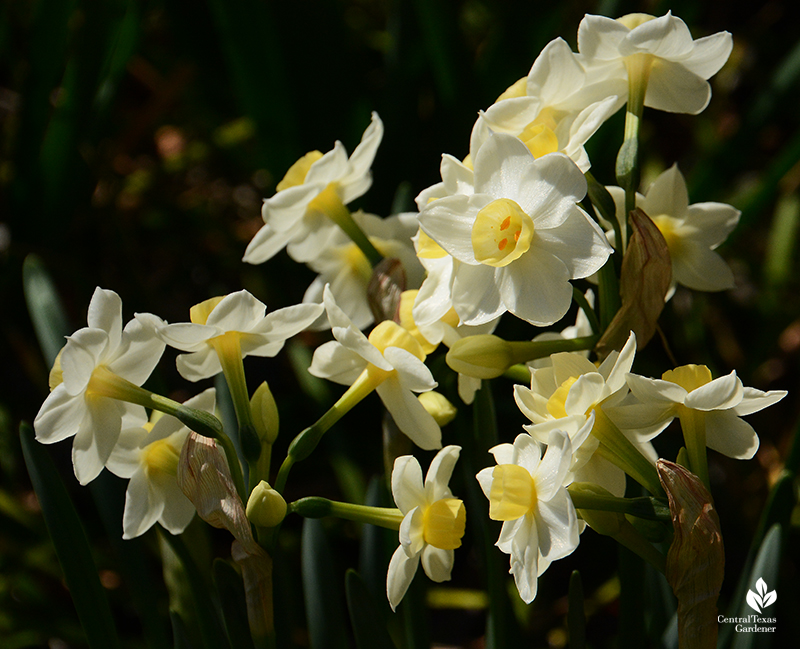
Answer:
(692, 232)
(557, 107)
(657, 53)
(390, 361)
(433, 524)
(691, 390)
(564, 395)
(297, 216)
(527, 491)
(235, 326)
(519, 239)
(91, 375)
(148, 456)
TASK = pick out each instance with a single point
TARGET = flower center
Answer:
(199, 313)
(631, 21)
(427, 248)
(539, 136)
(668, 227)
(161, 458)
(444, 523)
(513, 493)
(689, 377)
(298, 171)
(502, 233)
(557, 403)
(390, 334)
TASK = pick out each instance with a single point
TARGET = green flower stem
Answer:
(639, 66)
(693, 425)
(635, 542)
(315, 507)
(518, 373)
(330, 204)
(619, 450)
(608, 298)
(582, 302)
(645, 507)
(229, 351)
(107, 384)
(307, 440)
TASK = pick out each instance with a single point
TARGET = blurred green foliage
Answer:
(138, 139)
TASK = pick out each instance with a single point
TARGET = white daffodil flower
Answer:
(557, 107)
(520, 238)
(527, 491)
(89, 379)
(692, 232)
(689, 392)
(390, 361)
(658, 52)
(232, 327)
(297, 216)
(433, 523)
(346, 269)
(147, 455)
(564, 395)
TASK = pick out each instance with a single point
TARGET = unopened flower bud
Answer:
(265, 414)
(437, 405)
(265, 507)
(484, 356)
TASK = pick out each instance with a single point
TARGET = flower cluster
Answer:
(508, 230)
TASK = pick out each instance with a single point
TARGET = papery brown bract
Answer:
(644, 281)
(696, 558)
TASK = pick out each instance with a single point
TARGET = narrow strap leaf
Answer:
(368, 628)
(71, 544)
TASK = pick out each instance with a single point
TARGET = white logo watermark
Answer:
(758, 601)
(762, 599)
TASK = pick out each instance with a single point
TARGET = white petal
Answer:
(709, 54)
(667, 194)
(557, 526)
(525, 560)
(84, 351)
(96, 438)
(587, 391)
(125, 458)
(412, 531)
(437, 563)
(439, 472)
(549, 475)
(402, 569)
(409, 415)
(412, 373)
(266, 244)
(449, 221)
(666, 37)
(475, 294)
(568, 365)
(59, 417)
(335, 362)
(199, 365)
(178, 510)
(140, 513)
(754, 400)
(655, 391)
(550, 188)
(105, 312)
(700, 269)
(714, 222)
(599, 37)
(720, 394)
(578, 242)
(728, 434)
(536, 286)
(239, 311)
(675, 89)
(499, 166)
(139, 353)
(407, 487)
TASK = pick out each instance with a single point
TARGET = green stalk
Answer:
(329, 203)
(693, 425)
(229, 351)
(315, 507)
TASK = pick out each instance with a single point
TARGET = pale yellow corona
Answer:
(502, 233)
